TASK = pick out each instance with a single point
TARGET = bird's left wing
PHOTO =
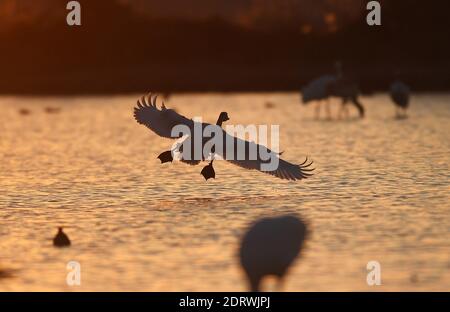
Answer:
(161, 121)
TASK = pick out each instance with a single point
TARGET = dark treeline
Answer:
(116, 50)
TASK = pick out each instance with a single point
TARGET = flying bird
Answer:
(162, 120)
(400, 94)
(270, 247)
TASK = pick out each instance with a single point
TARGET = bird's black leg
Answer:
(166, 157)
(328, 109)
(208, 171)
(317, 109)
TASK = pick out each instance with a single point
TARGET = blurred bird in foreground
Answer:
(270, 247)
(61, 239)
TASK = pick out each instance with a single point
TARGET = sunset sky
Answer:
(259, 13)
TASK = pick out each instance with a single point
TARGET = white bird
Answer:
(162, 121)
(400, 95)
(270, 247)
(327, 86)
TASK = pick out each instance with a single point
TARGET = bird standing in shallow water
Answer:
(337, 85)
(270, 246)
(61, 239)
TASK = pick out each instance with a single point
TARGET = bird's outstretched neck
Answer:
(222, 117)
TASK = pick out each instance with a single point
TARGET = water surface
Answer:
(381, 192)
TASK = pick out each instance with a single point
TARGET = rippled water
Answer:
(381, 192)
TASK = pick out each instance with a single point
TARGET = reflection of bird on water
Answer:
(162, 121)
(327, 86)
(61, 239)
(400, 94)
(269, 248)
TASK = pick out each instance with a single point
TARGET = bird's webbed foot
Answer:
(166, 157)
(208, 172)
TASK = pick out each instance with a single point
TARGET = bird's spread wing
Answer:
(161, 121)
(285, 170)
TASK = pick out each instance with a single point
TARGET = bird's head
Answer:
(224, 116)
(60, 228)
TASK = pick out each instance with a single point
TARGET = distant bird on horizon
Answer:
(61, 239)
(327, 86)
(52, 110)
(400, 95)
(162, 121)
(24, 112)
(269, 248)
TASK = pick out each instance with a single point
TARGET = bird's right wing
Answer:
(284, 169)
(161, 121)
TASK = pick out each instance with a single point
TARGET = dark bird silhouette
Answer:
(162, 121)
(338, 85)
(166, 157)
(400, 95)
(269, 248)
(208, 171)
(318, 91)
(61, 239)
